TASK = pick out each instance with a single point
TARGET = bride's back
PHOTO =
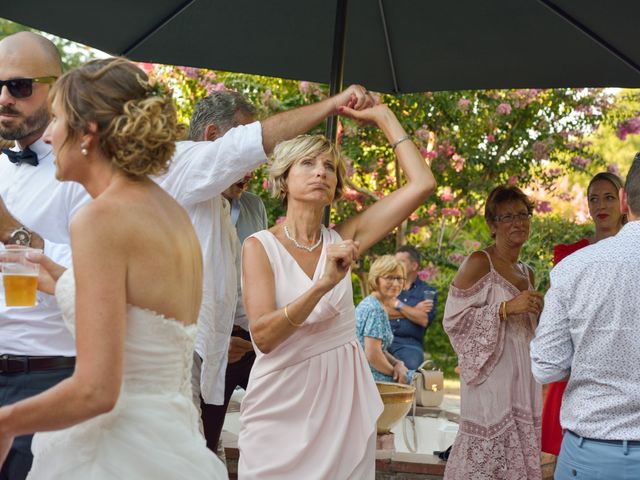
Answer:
(164, 262)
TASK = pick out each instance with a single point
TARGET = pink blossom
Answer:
(579, 162)
(458, 162)
(457, 258)
(147, 67)
(190, 72)
(450, 212)
(428, 273)
(432, 210)
(413, 217)
(512, 181)
(554, 172)
(464, 104)
(541, 149)
(503, 109)
(472, 244)
(215, 87)
(390, 179)
(350, 170)
(304, 87)
(350, 194)
(428, 154)
(446, 195)
(491, 138)
(630, 126)
(266, 185)
(614, 168)
(280, 220)
(469, 211)
(422, 133)
(543, 206)
(415, 229)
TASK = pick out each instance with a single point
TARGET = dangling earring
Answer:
(83, 149)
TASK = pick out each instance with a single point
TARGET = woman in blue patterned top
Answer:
(386, 278)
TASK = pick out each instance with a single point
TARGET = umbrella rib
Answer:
(158, 26)
(591, 34)
(394, 77)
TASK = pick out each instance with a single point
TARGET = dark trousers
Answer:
(237, 375)
(13, 388)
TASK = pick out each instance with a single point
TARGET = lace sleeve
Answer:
(475, 331)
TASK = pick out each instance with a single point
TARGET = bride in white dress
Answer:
(132, 298)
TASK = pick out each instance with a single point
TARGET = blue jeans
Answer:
(412, 356)
(581, 458)
(13, 388)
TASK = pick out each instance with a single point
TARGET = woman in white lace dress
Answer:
(132, 298)
(490, 317)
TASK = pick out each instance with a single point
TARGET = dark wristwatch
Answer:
(20, 236)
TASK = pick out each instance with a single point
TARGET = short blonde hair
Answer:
(288, 152)
(384, 265)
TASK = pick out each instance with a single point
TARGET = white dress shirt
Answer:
(197, 176)
(589, 329)
(42, 204)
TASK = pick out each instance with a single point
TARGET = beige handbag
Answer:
(429, 385)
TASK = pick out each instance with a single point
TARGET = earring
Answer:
(83, 149)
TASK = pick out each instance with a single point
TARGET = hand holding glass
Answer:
(19, 276)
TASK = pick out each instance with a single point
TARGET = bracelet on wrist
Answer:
(286, 315)
(399, 141)
(503, 311)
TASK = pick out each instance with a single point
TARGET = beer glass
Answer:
(19, 276)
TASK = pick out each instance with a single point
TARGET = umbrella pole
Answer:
(337, 72)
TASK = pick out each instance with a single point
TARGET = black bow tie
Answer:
(25, 156)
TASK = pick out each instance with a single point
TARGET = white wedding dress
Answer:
(153, 431)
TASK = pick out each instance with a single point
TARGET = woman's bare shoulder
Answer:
(474, 268)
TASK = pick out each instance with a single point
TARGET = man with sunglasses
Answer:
(36, 350)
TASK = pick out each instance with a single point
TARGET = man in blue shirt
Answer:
(414, 311)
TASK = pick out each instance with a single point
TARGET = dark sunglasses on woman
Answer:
(23, 87)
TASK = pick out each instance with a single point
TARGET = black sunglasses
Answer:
(23, 87)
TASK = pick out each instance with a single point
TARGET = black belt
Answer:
(631, 443)
(23, 364)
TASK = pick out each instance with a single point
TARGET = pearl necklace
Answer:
(299, 245)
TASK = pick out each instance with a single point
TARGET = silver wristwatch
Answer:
(20, 236)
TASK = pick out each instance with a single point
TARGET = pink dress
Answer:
(311, 405)
(499, 436)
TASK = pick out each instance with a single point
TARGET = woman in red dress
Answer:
(604, 209)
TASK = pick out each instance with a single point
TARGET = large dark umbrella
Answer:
(390, 46)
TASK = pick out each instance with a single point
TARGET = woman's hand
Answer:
(340, 257)
(528, 301)
(400, 372)
(49, 272)
(375, 115)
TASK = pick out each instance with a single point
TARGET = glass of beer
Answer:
(19, 276)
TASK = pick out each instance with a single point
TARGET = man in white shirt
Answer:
(588, 332)
(199, 173)
(36, 350)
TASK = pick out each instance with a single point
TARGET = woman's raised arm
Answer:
(383, 216)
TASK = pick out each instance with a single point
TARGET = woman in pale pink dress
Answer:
(490, 317)
(311, 405)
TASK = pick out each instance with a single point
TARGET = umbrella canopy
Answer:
(390, 46)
